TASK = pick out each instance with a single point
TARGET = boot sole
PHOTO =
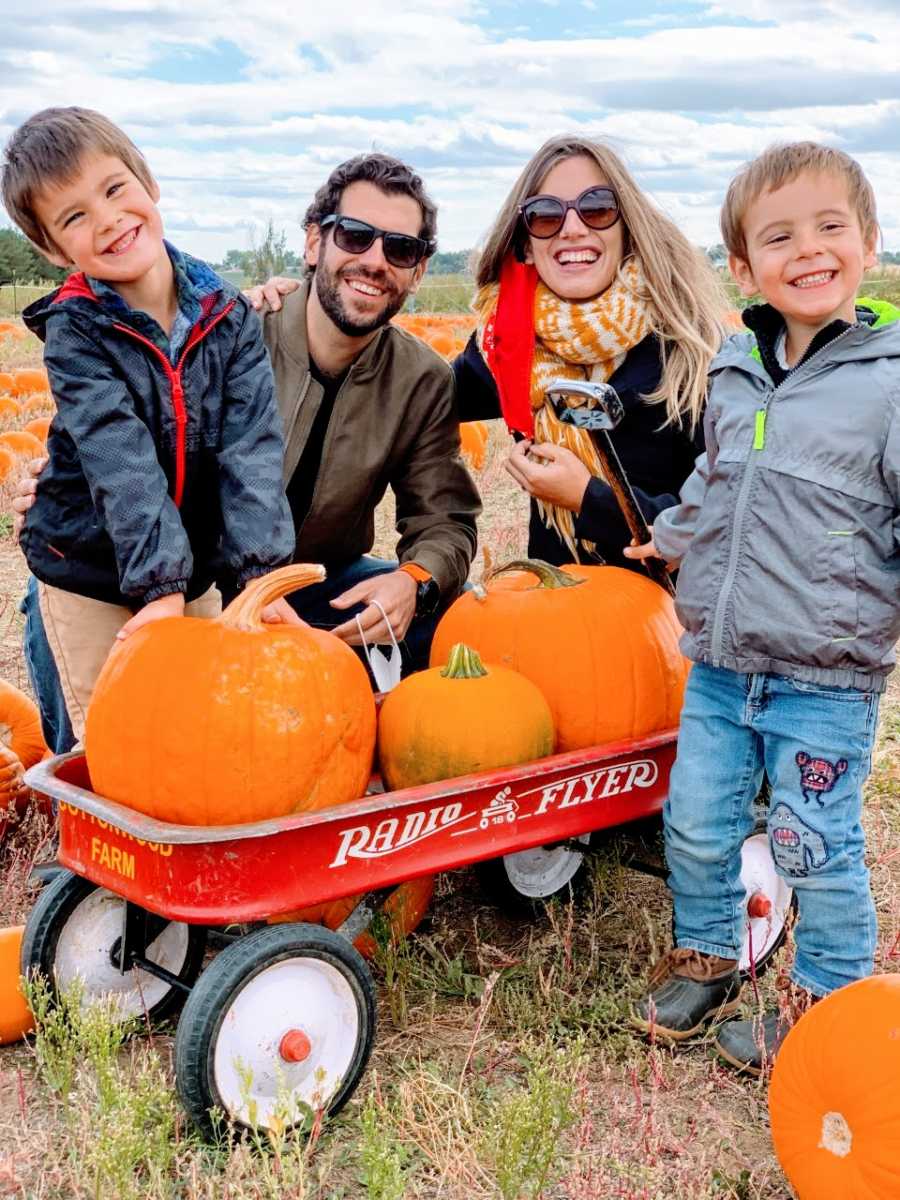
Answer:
(682, 1035)
(743, 1068)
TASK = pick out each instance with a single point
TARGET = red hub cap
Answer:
(295, 1046)
(759, 905)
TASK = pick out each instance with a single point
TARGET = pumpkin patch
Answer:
(15, 1015)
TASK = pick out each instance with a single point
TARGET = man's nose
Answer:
(374, 256)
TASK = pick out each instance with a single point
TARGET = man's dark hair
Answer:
(388, 174)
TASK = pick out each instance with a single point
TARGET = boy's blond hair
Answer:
(781, 164)
(48, 149)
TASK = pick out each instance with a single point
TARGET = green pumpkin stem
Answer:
(463, 663)
(245, 610)
(548, 575)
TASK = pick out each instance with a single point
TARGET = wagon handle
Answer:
(245, 610)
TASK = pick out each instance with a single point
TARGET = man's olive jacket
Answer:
(394, 423)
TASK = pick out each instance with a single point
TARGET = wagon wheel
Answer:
(770, 900)
(279, 1026)
(74, 932)
(520, 882)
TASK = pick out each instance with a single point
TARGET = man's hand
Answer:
(647, 550)
(559, 476)
(279, 612)
(156, 610)
(270, 292)
(23, 496)
(395, 592)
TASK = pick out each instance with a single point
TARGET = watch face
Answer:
(428, 595)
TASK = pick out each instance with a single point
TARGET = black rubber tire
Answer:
(497, 886)
(55, 906)
(219, 986)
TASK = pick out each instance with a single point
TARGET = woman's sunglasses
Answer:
(544, 216)
(355, 237)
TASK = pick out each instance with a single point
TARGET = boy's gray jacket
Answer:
(789, 529)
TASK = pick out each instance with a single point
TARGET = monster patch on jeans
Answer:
(818, 775)
(796, 848)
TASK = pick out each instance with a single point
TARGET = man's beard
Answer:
(327, 285)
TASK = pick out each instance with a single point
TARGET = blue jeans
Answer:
(815, 744)
(312, 604)
(43, 675)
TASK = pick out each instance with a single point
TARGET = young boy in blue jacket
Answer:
(788, 540)
(165, 453)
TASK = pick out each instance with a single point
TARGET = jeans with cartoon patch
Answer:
(815, 744)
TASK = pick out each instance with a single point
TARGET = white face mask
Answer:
(385, 664)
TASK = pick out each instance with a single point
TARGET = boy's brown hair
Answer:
(781, 164)
(48, 149)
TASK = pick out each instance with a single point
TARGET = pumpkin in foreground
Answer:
(403, 910)
(21, 746)
(458, 719)
(225, 721)
(834, 1099)
(15, 1015)
(601, 643)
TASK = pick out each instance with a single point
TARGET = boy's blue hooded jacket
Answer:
(163, 477)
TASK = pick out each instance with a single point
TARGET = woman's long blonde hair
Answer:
(686, 300)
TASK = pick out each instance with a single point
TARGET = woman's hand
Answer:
(548, 472)
(647, 550)
(271, 291)
(156, 610)
(24, 494)
(279, 612)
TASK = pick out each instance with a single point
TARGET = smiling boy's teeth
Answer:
(124, 242)
(571, 256)
(813, 280)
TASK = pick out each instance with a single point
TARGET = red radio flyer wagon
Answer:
(280, 1024)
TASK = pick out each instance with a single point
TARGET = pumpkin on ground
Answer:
(218, 722)
(8, 464)
(834, 1099)
(24, 445)
(403, 911)
(30, 379)
(458, 719)
(9, 408)
(38, 428)
(38, 404)
(15, 1015)
(473, 438)
(20, 725)
(600, 642)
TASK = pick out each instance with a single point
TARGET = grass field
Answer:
(503, 1067)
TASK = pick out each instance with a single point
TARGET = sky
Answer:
(242, 107)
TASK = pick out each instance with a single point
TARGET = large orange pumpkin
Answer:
(20, 725)
(229, 720)
(834, 1098)
(15, 1015)
(600, 642)
(458, 719)
(404, 909)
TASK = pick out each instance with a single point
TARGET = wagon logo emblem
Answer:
(502, 808)
(395, 833)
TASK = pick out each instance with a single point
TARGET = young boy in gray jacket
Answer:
(788, 542)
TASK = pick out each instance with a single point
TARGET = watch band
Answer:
(419, 574)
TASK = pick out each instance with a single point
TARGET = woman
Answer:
(583, 277)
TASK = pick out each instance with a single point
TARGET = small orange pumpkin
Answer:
(7, 383)
(25, 445)
(9, 408)
(30, 379)
(404, 910)
(20, 725)
(218, 722)
(834, 1099)
(15, 1015)
(8, 464)
(601, 643)
(473, 438)
(38, 404)
(39, 428)
(459, 719)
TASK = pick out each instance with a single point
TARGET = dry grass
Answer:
(504, 1066)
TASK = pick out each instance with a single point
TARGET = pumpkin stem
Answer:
(548, 575)
(245, 610)
(463, 663)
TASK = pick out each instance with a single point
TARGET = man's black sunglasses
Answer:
(355, 237)
(544, 216)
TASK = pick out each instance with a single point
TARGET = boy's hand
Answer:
(23, 496)
(647, 550)
(395, 592)
(156, 610)
(548, 472)
(279, 612)
(271, 291)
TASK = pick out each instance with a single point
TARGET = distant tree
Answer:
(269, 257)
(21, 263)
(891, 257)
(449, 262)
(236, 260)
(717, 255)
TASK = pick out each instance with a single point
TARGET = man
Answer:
(364, 406)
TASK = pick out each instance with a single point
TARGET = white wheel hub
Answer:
(544, 870)
(257, 1081)
(768, 897)
(84, 948)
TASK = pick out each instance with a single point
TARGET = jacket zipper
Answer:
(176, 388)
(759, 441)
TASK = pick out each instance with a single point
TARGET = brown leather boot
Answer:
(687, 990)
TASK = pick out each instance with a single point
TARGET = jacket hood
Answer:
(877, 335)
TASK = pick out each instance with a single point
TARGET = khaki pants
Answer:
(81, 632)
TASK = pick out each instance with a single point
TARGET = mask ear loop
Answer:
(366, 645)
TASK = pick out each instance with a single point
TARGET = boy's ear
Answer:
(54, 256)
(871, 251)
(153, 190)
(742, 275)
